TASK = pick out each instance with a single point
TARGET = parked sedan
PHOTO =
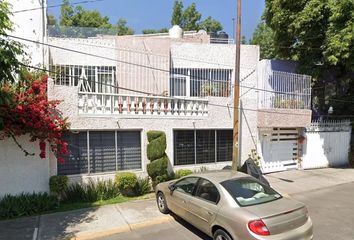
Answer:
(229, 205)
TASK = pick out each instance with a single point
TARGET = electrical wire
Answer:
(176, 98)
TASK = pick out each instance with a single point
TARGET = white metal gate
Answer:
(327, 144)
(279, 149)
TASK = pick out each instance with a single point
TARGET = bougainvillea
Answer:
(28, 111)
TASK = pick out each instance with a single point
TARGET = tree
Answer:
(9, 49)
(79, 17)
(264, 37)
(319, 34)
(123, 29)
(152, 31)
(24, 105)
(177, 13)
(210, 25)
(190, 19)
(51, 20)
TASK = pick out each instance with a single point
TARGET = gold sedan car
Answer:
(229, 205)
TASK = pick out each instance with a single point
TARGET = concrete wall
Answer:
(30, 25)
(284, 118)
(20, 173)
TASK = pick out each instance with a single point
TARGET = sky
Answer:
(155, 14)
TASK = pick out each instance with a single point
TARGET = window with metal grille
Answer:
(128, 150)
(108, 151)
(76, 161)
(184, 147)
(102, 152)
(224, 145)
(205, 146)
(202, 146)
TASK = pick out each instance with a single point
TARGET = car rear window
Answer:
(248, 191)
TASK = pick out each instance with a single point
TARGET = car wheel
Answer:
(161, 203)
(221, 235)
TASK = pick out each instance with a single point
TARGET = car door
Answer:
(181, 196)
(203, 206)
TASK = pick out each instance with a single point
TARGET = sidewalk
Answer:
(91, 223)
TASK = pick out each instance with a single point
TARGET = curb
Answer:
(121, 229)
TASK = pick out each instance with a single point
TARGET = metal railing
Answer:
(222, 40)
(205, 82)
(124, 104)
(285, 90)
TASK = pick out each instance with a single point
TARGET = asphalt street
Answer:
(331, 210)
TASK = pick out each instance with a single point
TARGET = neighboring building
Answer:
(116, 88)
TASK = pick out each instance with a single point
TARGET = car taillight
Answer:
(258, 227)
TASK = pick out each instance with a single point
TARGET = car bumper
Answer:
(304, 232)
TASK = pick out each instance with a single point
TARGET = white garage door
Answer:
(279, 149)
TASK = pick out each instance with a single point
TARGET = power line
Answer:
(176, 98)
(57, 5)
(163, 70)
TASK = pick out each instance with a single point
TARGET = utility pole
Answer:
(236, 146)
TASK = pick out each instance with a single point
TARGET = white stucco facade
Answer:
(30, 25)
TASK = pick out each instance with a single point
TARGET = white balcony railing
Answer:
(285, 90)
(123, 104)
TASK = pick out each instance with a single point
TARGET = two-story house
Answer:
(114, 89)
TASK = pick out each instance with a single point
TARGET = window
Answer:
(202, 146)
(184, 147)
(224, 145)
(76, 161)
(247, 191)
(186, 185)
(102, 152)
(97, 78)
(108, 151)
(200, 82)
(205, 146)
(207, 191)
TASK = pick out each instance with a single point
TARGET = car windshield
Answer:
(248, 191)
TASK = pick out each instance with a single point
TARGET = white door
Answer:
(279, 149)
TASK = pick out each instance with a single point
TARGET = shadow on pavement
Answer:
(190, 227)
(65, 225)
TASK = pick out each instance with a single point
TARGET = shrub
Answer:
(182, 173)
(91, 191)
(157, 167)
(126, 183)
(58, 185)
(143, 186)
(26, 204)
(156, 147)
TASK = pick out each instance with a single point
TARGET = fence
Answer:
(285, 90)
(327, 144)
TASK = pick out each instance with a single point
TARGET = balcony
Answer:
(285, 100)
(90, 103)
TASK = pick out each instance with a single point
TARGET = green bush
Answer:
(91, 191)
(126, 183)
(58, 184)
(156, 147)
(182, 173)
(26, 204)
(143, 186)
(158, 167)
(151, 135)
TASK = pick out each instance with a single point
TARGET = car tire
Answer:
(221, 235)
(161, 203)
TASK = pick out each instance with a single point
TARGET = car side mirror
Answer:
(172, 187)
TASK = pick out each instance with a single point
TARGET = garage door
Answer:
(279, 149)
